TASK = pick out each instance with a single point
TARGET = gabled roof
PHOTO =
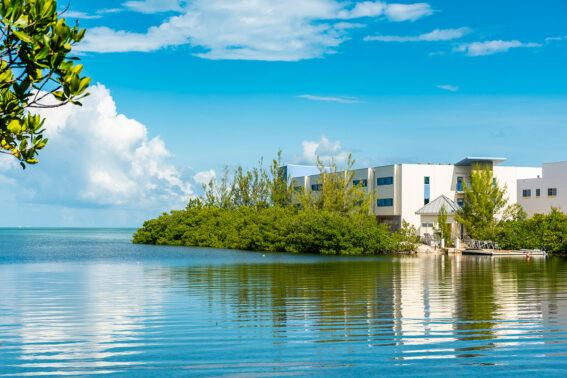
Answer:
(433, 207)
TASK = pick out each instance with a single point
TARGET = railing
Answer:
(483, 244)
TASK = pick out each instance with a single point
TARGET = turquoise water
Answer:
(81, 302)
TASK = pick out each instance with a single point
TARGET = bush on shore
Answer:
(273, 229)
(258, 210)
(547, 231)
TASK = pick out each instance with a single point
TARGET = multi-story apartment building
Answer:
(541, 194)
(405, 189)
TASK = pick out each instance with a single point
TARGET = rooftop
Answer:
(434, 207)
(466, 162)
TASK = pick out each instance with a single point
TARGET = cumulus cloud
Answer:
(273, 30)
(448, 87)
(204, 177)
(408, 12)
(491, 47)
(435, 35)
(342, 100)
(99, 158)
(324, 149)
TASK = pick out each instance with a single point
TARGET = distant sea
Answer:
(87, 301)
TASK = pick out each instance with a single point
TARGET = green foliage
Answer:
(443, 228)
(547, 231)
(256, 210)
(338, 194)
(275, 229)
(484, 204)
(35, 72)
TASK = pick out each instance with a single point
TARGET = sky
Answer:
(181, 89)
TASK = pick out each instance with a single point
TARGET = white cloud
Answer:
(324, 149)
(273, 30)
(155, 6)
(82, 15)
(363, 9)
(555, 39)
(342, 100)
(204, 177)
(408, 12)
(435, 35)
(448, 87)
(491, 47)
(99, 158)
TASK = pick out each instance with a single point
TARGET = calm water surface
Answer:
(88, 302)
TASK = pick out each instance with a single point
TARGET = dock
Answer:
(493, 252)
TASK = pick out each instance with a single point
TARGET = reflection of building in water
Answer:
(423, 303)
(73, 318)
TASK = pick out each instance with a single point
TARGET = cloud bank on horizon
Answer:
(98, 158)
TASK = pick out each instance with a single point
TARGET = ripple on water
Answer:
(77, 303)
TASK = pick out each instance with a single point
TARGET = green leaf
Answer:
(22, 36)
(14, 126)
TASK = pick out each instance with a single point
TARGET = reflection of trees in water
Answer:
(406, 300)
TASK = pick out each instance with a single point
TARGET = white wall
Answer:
(554, 175)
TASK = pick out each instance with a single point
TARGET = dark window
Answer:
(362, 183)
(317, 187)
(494, 182)
(538, 192)
(385, 181)
(297, 188)
(426, 191)
(460, 202)
(526, 193)
(459, 184)
(552, 192)
(385, 202)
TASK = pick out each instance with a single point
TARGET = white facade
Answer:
(549, 190)
(403, 189)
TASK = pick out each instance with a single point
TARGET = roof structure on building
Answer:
(466, 162)
(434, 207)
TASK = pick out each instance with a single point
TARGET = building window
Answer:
(426, 191)
(317, 187)
(297, 188)
(385, 202)
(526, 193)
(461, 202)
(362, 183)
(459, 184)
(538, 192)
(494, 183)
(385, 181)
(552, 192)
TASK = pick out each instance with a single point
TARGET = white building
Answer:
(404, 189)
(539, 195)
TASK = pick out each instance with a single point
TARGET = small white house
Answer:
(429, 217)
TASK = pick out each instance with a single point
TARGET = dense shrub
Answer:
(547, 231)
(274, 229)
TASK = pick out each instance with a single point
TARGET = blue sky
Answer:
(202, 84)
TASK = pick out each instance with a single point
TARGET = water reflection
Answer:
(209, 314)
(422, 307)
(70, 319)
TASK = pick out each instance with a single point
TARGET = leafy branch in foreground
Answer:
(35, 72)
